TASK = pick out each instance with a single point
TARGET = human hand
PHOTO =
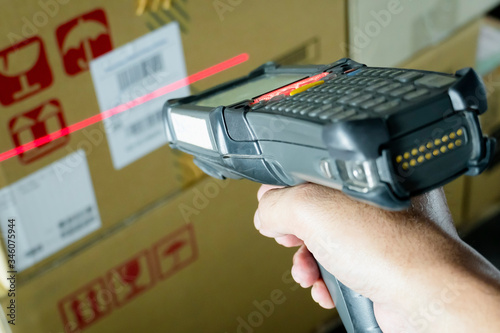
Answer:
(403, 261)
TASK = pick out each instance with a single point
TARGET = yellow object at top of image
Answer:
(152, 5)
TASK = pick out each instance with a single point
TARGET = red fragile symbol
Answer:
(175, 251)
(131, 278)
(85, 306)
(24, 70)
(82, 39)
(37, 123)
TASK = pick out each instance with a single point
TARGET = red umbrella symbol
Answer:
(173, 250)
(80, 36)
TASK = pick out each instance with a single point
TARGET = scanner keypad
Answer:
(362, 93)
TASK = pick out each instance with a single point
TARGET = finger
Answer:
(321, 295)
(266, 232)
(305, 269)
(289, 241)
(276, 210)
(264, 188)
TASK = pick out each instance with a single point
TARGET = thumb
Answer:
(274, 218)
(298, 210)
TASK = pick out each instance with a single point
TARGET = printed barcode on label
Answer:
(76, 221)
(144, 124)
(140, 71)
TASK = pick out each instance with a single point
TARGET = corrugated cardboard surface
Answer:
(210, 35)
(491, 119)
(484, 190)
(192, 264)
(386, 33)
(454, 53)
(119, 192)
(292, 31)
(484, 196)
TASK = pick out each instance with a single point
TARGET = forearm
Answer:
(464, 297)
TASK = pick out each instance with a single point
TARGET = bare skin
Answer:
(412, 264)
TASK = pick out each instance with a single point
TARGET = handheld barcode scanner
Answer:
(380, 135)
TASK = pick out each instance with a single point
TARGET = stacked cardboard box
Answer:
(107, 238)
(389, 32)
(71, 191)
(194, 263)
(484, 192)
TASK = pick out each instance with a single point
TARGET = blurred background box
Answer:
(484, 190)
(65, 193)
(285, 31)
(484, 194)
(37, 29)
(194, 263)
(488, 65)
(388, 32)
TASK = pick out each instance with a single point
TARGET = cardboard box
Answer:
(484, 196)
(490, 120)
(459, 51)
(57, 91)
(456, 52)
(389, 32)
(484, 192)
(192, 264)
(68, 191)
(488, 62)
(301, 34)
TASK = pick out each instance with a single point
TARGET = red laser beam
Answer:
(239, 59)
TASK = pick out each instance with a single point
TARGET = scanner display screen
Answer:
(250, 89)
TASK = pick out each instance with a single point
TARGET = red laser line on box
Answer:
(239, 59)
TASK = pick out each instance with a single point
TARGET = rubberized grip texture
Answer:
(356, 311)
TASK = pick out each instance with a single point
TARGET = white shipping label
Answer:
(131, 71)
(52, 207)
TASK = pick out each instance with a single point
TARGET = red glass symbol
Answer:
(175, 251)
(130, 279)
(24, 70)
(35, 124)
(82, 39)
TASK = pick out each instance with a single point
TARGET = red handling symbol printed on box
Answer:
(85, 306)
(131, 278)
(82, 39)
(123, 283)
(175, 251)
(24, 70)
(37, 123)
